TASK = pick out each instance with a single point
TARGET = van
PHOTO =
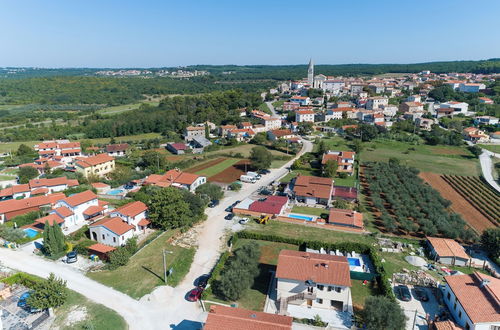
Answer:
(247, 178)
(255, 175)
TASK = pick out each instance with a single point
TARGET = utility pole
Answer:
(165, 264)
(414, 320)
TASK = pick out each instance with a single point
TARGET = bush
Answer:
(236, 186)
(83, 247)
(118, 257)
(26, 219)
(12, 234)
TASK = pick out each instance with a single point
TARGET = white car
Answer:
(244, 221)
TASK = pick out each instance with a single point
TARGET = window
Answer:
(460, 315)
(448, 296)
(338, 289)
(455, 306)
(319, 301)
(114, 239)
(330, 288)
(103, 237)
(320, 287)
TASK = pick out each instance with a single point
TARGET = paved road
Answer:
(487, 168)
(271, 107)
(165, 307)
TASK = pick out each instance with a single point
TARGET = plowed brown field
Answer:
(232, 173)
(458, 204)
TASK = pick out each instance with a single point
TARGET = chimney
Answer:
(484, 282)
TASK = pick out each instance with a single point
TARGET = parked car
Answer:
(236, 203)
(195, 294)
(403, 293)
(71, 257)
(202, 281)
(213, 203)
(229, 216)
(22, 300)
(244, 221)
(229, 208)
(263, 172)
(421, 294)
(129, 185)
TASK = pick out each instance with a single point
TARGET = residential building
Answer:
(134, 214)
(117, 150)
(475, 135)
(414, 98)
(64, 148)
(411, 107)
(486, 120)
(291, 106)
(389, 110)
(473, 300)
(177, 148)
(280, 134)
(78, 204)
(176, 178)
(471, 87)
(346, 218)
(344, 159)
(52, 185)
(15, 192)
(302, 100)
(224, 129)
(313, 280)
(304, 116)
(98, 165)
(193, 131)
(458, 107)
(312, 189)
(199, 143)
(447, 251)
(485, 100)
(376, 102)
(112, 231)
(424, 123)
(231, 318)
(241, 134)
(14, 207)
(271, 123)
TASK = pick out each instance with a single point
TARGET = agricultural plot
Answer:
(478, 194)
(459, 204)
(403, 204)
(223, 170)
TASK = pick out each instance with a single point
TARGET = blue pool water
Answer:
(354, 262)
(300, 217)
(115, 192)
(30, 232)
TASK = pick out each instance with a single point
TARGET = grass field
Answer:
(98, 317)
(144, 271)
(304, 232)
(309, 210)
(213, 170)
(7, 177)
(125, 107)
(360, 292)
(491, 147)
(438, 159)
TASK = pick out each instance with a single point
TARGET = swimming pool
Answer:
(30, 232)
(115, 192)
(354, 262)
(300, 217)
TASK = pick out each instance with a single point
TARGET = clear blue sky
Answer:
(147, 33)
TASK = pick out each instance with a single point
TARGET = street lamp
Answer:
(165, 264)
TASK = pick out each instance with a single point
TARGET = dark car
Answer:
(71, 257)
(202, 281)
(129, 185)
(195, 294)
(421, 294)
(229, 208)
(403, 293)
(235, 203)
(264, 172)
(230, 216)
(22, 300)
(213, 203)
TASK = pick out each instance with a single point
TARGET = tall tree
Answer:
(261, 158)
(490, 240)
(210, 190)
(330, 168)
(27, 173)
(382, 313)
(48, 293)
(168, 209)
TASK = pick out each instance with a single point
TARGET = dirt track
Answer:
(459, 205)
(205, 165)
(232, 173)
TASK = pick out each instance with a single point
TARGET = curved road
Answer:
(166, 307)
(487, 168)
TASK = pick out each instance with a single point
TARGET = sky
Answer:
(147, 33)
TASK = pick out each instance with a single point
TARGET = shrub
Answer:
(118, 257)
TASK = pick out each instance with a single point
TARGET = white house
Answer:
(111, 231)
(458, 107)
(471, 87)
(447, 251)
(485, 120)
(312, 281)
(304, 116)
(376, 102)
(77, 204)
(134, 214)
(302, 100)
(473, 300)
(271, 123)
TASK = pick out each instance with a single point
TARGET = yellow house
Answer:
(98, 165)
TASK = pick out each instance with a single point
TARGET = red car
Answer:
(195, 294)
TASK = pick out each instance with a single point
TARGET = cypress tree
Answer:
(52, 241)
(46, 238)
(60, 238)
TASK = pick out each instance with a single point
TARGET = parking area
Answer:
(416, 310)
(16, 318)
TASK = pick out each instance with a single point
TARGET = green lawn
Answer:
(144, 271)
(335, 143)
(287, 178)
(264, 108)
(360, 292)
(123, 108)
(254, 298)
(278, 104)
(99, 317)
(455, 160)
(309, 210)
(217, 168)
(6, 177)
(491, 147)
(305, 232)
(349, 181)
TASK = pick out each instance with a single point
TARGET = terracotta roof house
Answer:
(312, 189)
(273, 205)
(473, 300)
(447, 251)
(51, 219)
(346, 193)
(176, 178)
(13, 207)
(230, 318)
(314, 280)
(78, 204)
(117, 150)
(98, 165)
(14, 192)
(344, 159)
(111, 231)
(347, 218)
(177, 148)
(101, 250)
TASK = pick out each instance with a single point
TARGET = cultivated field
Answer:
(223, 170)
(232, 173)
(459, 204)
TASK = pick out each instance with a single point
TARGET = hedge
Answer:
(362, 248)
(215, 273)
(21, 278)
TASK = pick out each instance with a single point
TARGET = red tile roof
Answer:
(144, 222)
(480, 301)
(346, 217)
(272, 205)
(10, 191)
(116, 225)
(446, 247)
(345, 192)
(94, 160)
(178, 146)
(80, 198)
(35, 183)
(281, 132)
(21, 204)
(313, 186)
(99, 185)
(131, 209)
(94, 209)
(98, 247)
(39, 191)
(51, 218)
(64, 211)
(320, 268)
(229, 318)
